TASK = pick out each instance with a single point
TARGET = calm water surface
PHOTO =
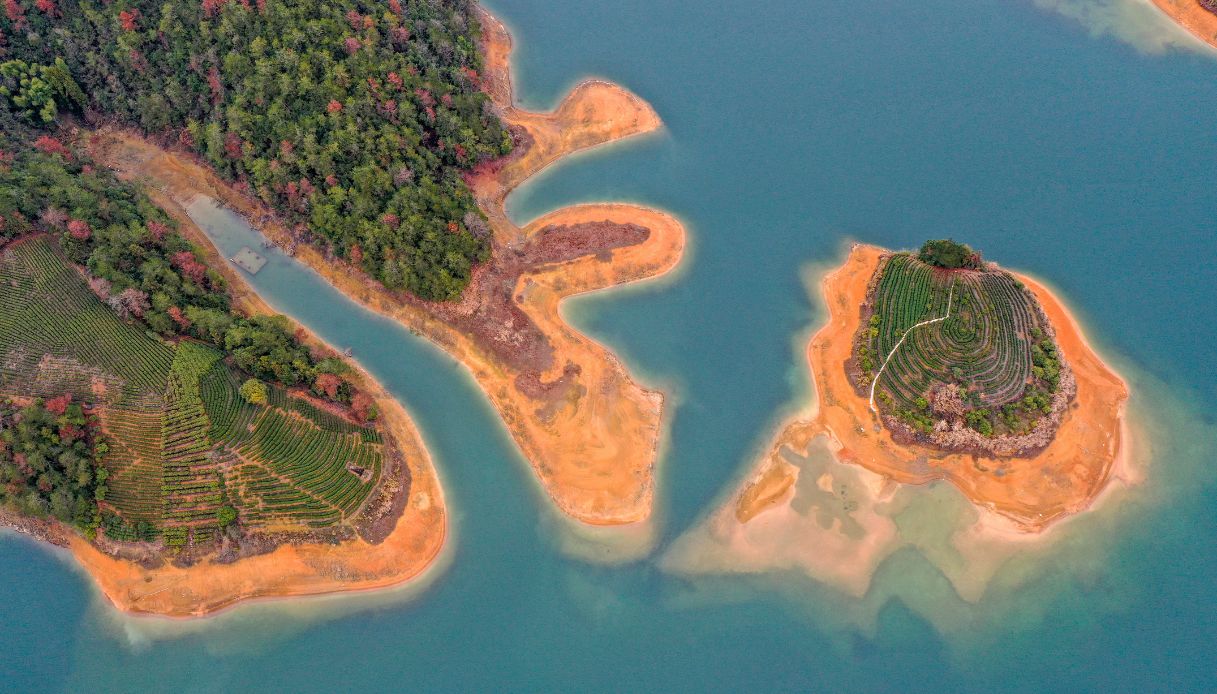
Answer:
(791, 128)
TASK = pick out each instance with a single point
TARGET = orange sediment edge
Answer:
(291, 570)
(1191, 16)
(623, 485)
(595, 451)
(1092, 444)
(596, 457)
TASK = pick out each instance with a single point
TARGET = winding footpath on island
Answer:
(1193, 16)
(818, 497)
(590, 432)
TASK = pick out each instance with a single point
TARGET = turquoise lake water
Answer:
(792, 127)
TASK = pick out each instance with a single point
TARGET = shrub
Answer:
(255, 392)
(226, 516)
(947, 253)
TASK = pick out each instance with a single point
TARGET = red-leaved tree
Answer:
(15, 13)
(50, 145)
(211, 7)
(178, 317)
(363, 407)
(158, 230)
(328, 384)
(47, 7)
(189, 266)
(57, 406)
(80, 230)
(127, 19)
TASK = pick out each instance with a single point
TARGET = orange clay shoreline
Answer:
(589, 431)
(1032, 493)
(1191, 16)
(595, 455)
(594, 449)
(291, 570)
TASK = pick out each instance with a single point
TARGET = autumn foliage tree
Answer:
(49, 461)
(328, 385)
(379, 101)
(363, 407)
(80, 230)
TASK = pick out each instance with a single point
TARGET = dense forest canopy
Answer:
(354, 120)
(48, 461)
(947, 253)
(138, 264)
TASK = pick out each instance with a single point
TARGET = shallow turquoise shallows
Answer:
(792, 126)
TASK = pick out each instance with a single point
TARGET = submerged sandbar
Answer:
(1193, 15)
(824, 494)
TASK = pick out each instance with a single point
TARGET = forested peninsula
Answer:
(354, 121)
(170, 430)
(191, 448)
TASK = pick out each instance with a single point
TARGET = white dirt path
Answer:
(950, 299)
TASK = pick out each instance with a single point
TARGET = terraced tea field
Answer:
(974, 329)
(184, 443)
(289, 461)
(56, 336)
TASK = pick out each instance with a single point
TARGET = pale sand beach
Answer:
(1190, 15)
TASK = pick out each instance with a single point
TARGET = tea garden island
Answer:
(957, 353)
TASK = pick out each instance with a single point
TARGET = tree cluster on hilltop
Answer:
(354, 120)
(947, 253)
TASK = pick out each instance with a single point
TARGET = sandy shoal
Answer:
(1191, 16)
(292, 569)
(824, 497)
(595, 453)
(1031, 492)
